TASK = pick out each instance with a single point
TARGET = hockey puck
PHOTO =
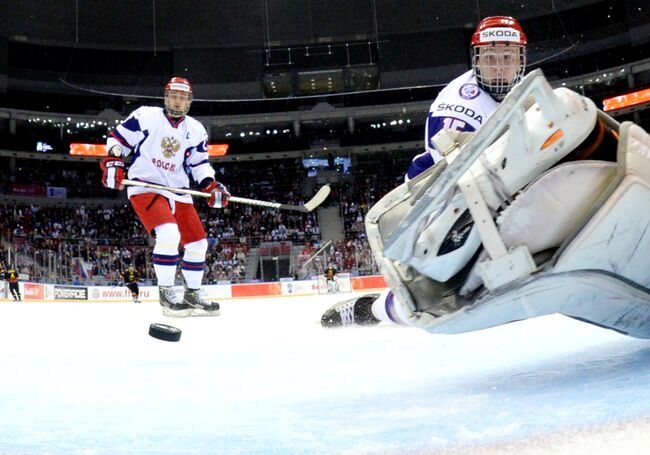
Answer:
(164, 332)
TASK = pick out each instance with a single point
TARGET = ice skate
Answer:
(171, 304)
(199, 307)
(350, 312)
(332, 287)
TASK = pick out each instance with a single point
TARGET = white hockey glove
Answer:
(219, 194)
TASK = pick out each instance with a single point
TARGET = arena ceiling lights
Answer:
(320, 69)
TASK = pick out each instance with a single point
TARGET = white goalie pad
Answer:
(591, 296)
(617, 238)
(550, 209)
(599, 273)
(587, 224)
(553, 205)
(381, 220)
(512, 148)
(532, 130)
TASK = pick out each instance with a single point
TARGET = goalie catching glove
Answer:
(113, 173)
(219, 195)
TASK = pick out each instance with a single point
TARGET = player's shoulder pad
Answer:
(148, 111)
(195, 124)
(451, 89)
(145, 112)
(199, 135)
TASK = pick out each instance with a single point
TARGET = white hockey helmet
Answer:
(178, 97)
(498, 52)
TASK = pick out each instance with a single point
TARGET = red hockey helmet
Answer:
(178, 96)
(498, 54)
(499, 29)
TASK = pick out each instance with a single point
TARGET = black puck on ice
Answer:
(164, 332)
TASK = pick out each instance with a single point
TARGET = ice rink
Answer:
(265, 378)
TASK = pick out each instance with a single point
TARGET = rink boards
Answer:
(56, 292)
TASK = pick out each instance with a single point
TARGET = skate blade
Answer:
(176, 313)
(202, 313)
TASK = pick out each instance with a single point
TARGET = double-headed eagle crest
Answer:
(170, 146)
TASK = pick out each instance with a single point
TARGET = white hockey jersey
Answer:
(461, 106)
(164, 151)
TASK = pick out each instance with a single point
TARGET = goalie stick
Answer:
(309, 206)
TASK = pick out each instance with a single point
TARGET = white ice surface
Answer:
(264, 377)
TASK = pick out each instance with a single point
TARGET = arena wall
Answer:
(69, 293)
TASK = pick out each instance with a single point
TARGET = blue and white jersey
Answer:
(165, 151)
(461, 106)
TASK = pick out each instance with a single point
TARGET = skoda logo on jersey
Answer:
(169, 146)
(469, 91)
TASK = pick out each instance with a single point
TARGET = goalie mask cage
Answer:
(342, 283)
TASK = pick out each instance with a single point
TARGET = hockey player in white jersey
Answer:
(498, 60)
(498, 52)
(167, 147)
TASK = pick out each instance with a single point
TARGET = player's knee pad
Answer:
(167, 239)
(195, 251)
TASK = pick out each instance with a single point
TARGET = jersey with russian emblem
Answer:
(460, 106)
(165, 151)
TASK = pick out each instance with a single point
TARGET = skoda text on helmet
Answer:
(178, 97)
(498, 54)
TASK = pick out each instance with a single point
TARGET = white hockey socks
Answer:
(165, 253)
(194, 263)
(384, 308)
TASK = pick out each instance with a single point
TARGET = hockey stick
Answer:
(309, 206)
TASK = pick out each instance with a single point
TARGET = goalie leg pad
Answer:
(415, 299)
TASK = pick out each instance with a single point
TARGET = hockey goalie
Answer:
(544, 209)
